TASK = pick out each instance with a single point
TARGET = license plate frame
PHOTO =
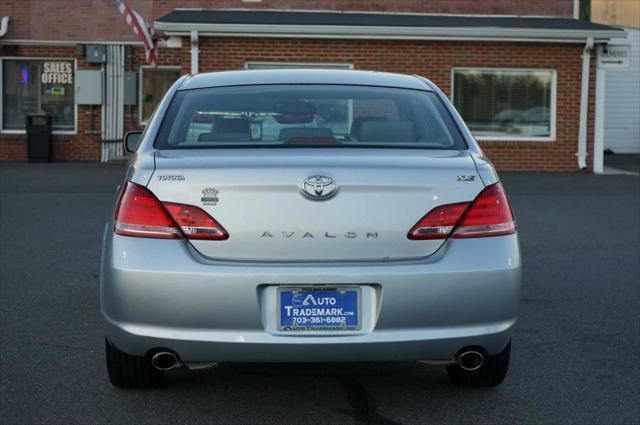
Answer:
(320, 290)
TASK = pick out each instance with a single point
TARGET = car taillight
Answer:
(195, 222)
(488, 215)
(439, 222)
(140, 213)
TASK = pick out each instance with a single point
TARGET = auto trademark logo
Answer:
(209, 196)
(311, 300)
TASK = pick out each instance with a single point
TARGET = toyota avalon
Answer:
(308, 216)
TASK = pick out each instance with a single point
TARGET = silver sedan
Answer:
(308, 216)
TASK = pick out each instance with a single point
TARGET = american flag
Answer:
(142, 30)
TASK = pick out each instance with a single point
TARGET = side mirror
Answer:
(131, 140)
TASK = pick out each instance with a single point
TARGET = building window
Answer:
(38, 86)
(510, 104)
(154, 83)
(337, 114)
(297, 65)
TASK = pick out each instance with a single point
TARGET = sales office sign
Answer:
(57, 73)
(614, 56)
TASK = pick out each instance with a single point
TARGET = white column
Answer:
(194, 52)
(584, 105)
(598, 142)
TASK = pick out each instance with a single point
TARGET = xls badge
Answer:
(209, 196)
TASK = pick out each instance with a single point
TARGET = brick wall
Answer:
(180, 57)
(434, 60)
(81, 146)
(85, 145)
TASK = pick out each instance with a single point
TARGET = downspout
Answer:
(4, 26)
(584, 105)
(194, 52)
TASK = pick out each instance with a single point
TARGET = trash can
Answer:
(38, 138)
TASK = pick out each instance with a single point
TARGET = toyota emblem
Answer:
(318, 187)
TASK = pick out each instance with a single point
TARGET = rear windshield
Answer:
(307, 115)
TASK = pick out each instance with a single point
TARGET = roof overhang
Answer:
(387, 33)
(476, 32)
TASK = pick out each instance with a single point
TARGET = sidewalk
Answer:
(622, 163)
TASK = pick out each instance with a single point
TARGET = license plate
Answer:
(319, 309)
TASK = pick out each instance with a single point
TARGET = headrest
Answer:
(224, 137)
(387, 131)
(228, 130)
(286, 134)
(231, 125)
(356, 125)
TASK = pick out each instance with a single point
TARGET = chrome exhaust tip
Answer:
(165, 360)
(470, 360)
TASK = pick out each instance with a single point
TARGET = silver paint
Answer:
(216, 300)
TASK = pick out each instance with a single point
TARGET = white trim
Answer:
(141, 121)
(327, 65)
(584, 105)
(553, 102)
(576, 9)
(75, 110)
(67, 42)
(387, 32)
(598, 131)
(195, 52)
(385, 37)
(4, 25)
(368, 12)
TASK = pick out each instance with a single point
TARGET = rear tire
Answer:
(127, 371)
(490, 374)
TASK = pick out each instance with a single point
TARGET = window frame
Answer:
(141, 119)
(305, 65)
(292, 65)
(453, 125)
(552, 112)
(39, 58)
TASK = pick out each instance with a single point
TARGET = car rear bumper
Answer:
(161, 293)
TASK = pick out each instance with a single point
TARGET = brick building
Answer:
(522, 74)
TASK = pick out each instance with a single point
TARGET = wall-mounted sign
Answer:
(57, 91)
(614, 56)
(58, 72)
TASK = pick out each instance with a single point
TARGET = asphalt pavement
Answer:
(575, 352)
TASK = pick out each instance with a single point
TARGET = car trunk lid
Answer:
(256, 195)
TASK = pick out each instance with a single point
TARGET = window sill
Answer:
(54, 132)
(515, 139)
